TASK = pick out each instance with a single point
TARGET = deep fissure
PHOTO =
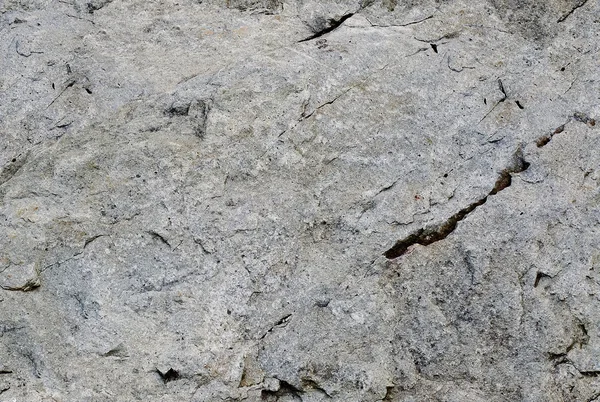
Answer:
(334, 24)
(427, 236)
(285, 389)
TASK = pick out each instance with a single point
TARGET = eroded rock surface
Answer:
(273, 200)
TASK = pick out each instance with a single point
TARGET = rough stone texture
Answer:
(198, 198)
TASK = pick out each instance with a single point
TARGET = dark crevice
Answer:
(538, 277)
(284, 321)
(584, 118)
(457, 69)
(333, 25)
(112, 352)
(323, 303)
(427, 236)
(311, 384)
(450, 35)
(389, 394)
(401, 25)
(35, 363)
(169, 375)
(5, 329)
(68, 85)
(202, 248)
(12, 168)
(558, 358)
(96, 5)
(90, 240)
(585, 338)
(158, 237)
(504, 97)
(415, 22)
(561, 358)
(501, 87)
(285, 389)
(178, 109)
(545, 139)
(82, 308)
(577, 116)
(306, 116)
(80, 18)
(581, 339)
(244, 379)
(197, 109)
(30, 285)
(63, 125)
(118, 351)
(578, 5)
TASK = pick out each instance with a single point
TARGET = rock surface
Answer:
(298, 200)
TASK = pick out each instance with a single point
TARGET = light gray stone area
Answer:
(299, 200)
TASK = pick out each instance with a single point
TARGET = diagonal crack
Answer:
(305, 115)
(504, 97)
(91, 239)
(333, 25)
(12, 168)
(283, 322)
(159, 237)
(68, 85)
(577, 116)
(58, 263)
(427, 236)
(567, 15)
(400, 25)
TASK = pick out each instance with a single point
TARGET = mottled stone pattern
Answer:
(299, 200)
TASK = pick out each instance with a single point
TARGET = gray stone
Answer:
(299, 200)
(20, 277)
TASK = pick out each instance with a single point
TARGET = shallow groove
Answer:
(577, 116)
